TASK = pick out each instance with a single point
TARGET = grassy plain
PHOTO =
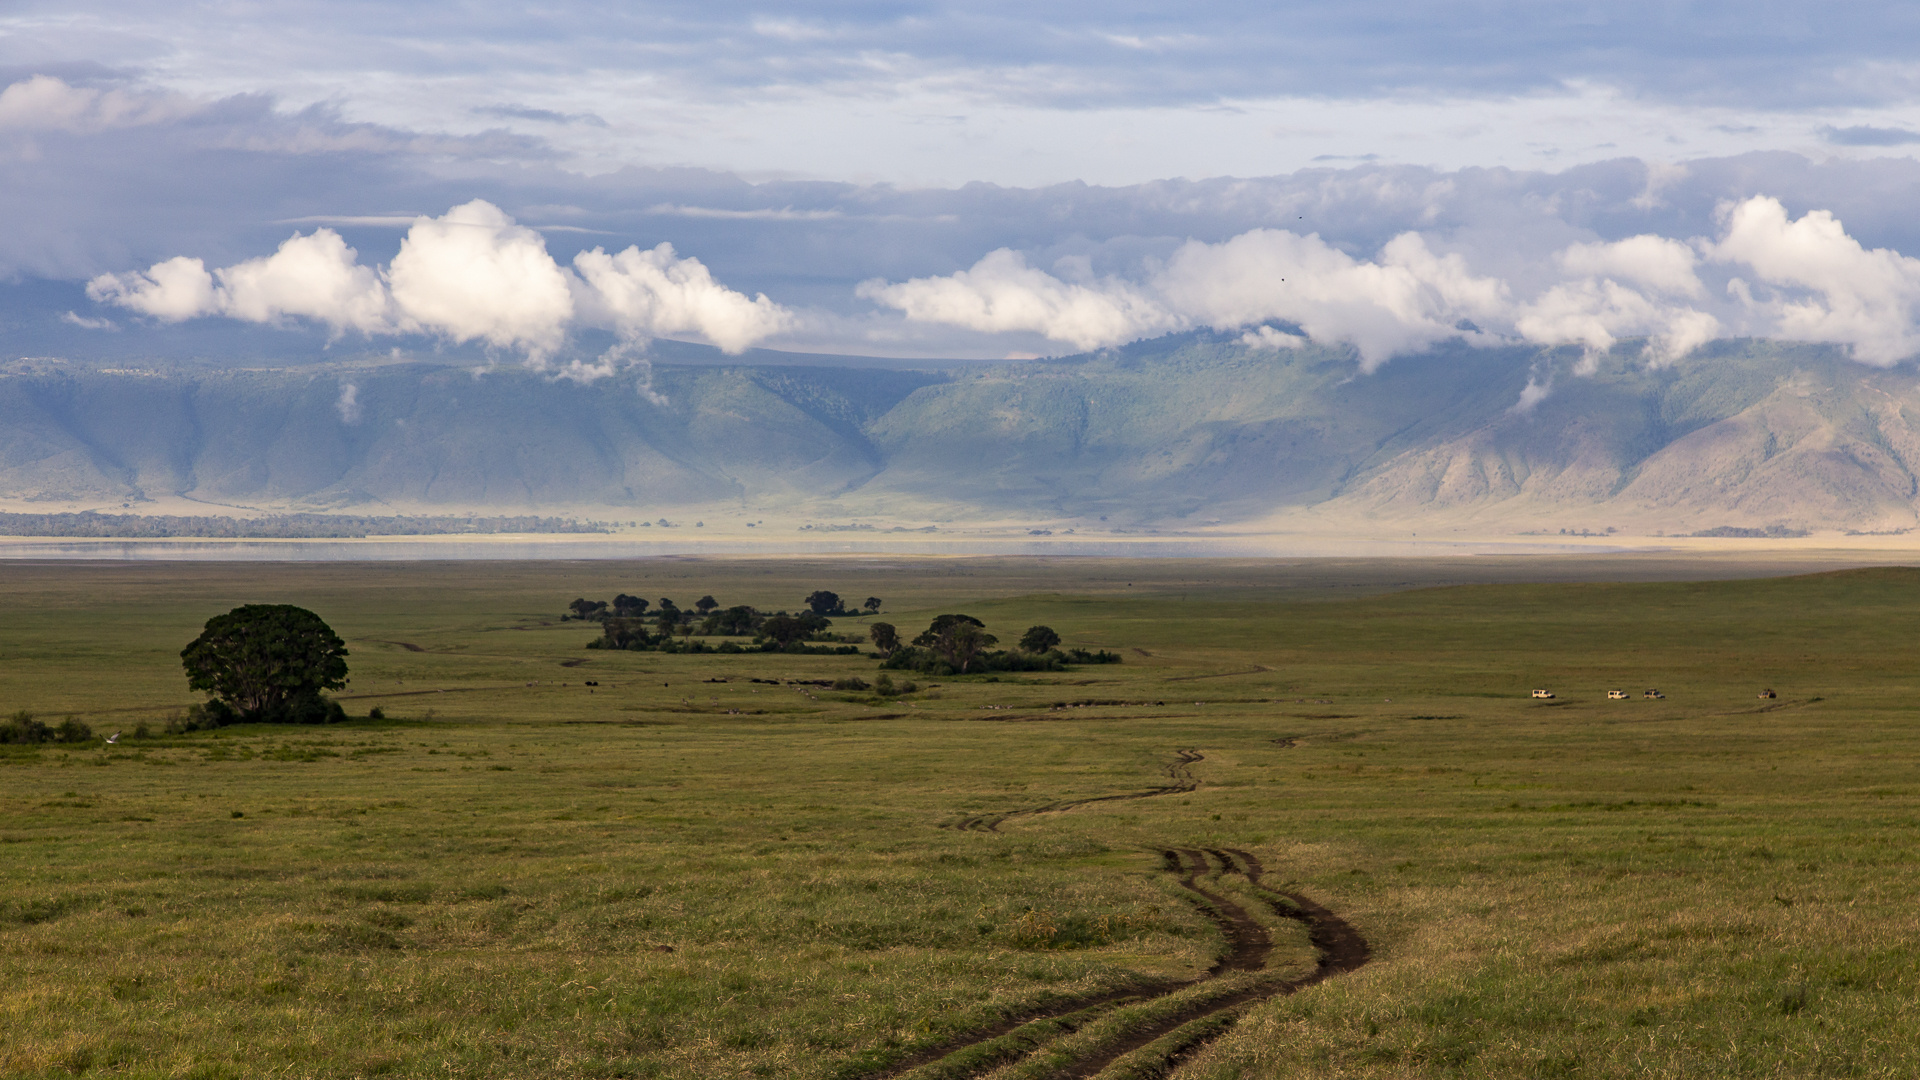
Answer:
(520, 875)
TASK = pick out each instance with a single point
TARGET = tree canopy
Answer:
(958, 639)
(1038, 639)
(268, 662)
(823, 602)
(785, 629)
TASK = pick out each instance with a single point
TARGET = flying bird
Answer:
(113, 738)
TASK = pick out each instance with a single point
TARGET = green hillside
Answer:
(1186, 429)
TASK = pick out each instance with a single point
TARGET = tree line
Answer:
(633, 623)
(92, 524)
(961, 645)
(950, 645)
(272, 663)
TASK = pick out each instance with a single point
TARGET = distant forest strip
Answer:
(90, 524)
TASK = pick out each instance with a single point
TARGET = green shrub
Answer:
(196, 718)
(21, 727)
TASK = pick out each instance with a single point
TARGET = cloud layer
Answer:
(100, 174)
(1804, 280)
(472, 274)
(1020, 94)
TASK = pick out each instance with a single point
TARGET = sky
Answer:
(979, 180)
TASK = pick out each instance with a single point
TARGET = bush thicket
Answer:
(22, 729)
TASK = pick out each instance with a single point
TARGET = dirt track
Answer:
(1340, 946)
(1169, 1037)
(1178, 772)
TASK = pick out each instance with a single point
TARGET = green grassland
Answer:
(679, 872)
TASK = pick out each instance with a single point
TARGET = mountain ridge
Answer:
(1185, 429)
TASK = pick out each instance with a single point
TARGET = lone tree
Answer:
(705, 605)
(885, 638)
(823, 602)
(958, 639)
(268, 662)
(1038, 639)
(872, 605)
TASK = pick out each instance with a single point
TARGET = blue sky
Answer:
(801, 151)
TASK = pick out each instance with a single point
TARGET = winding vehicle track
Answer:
(1254, 670)
(1341, 950)
(1170, 1037)
(1178, 772)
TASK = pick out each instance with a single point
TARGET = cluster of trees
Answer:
(633, 623)
(951, 644)
(961, 645)
(830, 605)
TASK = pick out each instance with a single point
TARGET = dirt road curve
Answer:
(1166, 1037)
(1178, 773)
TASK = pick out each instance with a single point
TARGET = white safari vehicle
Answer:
(1616, 695)
(1543, 693)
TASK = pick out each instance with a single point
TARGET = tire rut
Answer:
(1341, 949)
(1249, 944)
(1254, 670)
(1178, 772)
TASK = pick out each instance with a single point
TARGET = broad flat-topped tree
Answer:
(267, 662)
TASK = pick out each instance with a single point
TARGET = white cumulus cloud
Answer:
(1668, 266)
(644, 294)
(1811, 281)
(1636, 287)
(178, 288)
(1406, 300)
(475, 274)
(316, 277)
(472, 274)
(1001, 293)
(1597, 312)
(1826, 286)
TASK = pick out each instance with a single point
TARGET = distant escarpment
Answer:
(1745, 436)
